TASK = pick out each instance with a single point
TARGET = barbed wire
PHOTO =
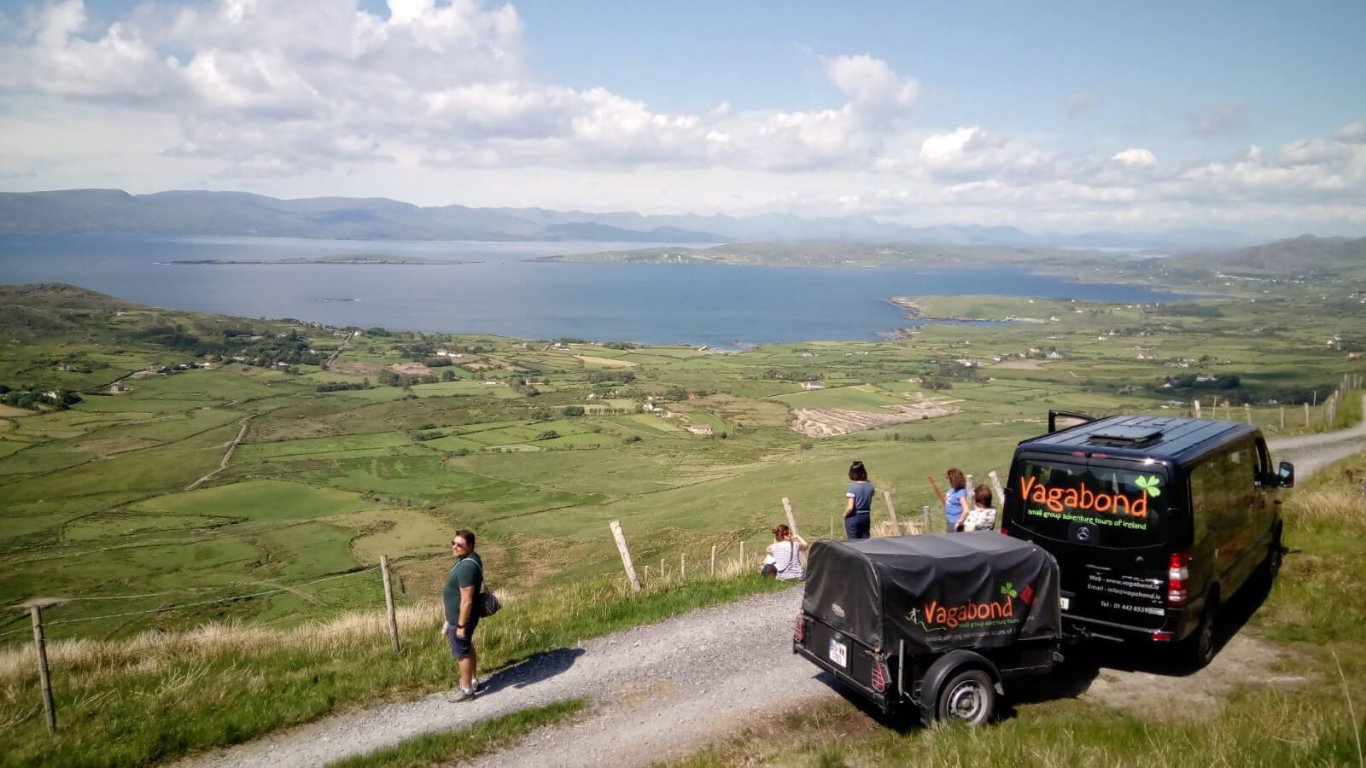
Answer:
(165, 609)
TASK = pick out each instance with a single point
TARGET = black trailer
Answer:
(935, 622)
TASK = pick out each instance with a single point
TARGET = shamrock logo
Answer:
(1149, 484)
(1008, 589)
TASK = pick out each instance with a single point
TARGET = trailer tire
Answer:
(969, 696)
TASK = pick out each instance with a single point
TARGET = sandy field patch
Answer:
(833, 421)
(9, 410)
(410, 369)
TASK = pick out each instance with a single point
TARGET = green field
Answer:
(95, 499)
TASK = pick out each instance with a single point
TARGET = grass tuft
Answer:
(467, 743)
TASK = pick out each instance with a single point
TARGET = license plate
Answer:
(1064, 602)
(839, 653)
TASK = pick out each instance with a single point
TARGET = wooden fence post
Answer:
(891, 510)
(1195, 406)
(1247, 411)
(35, 612)
(615, 525)
(1306, 415)
(742, 557)
(925, 511)
(389, 599)
(682, 566)
(996, 488)
(713, 560)
(791, 519)
(1282, 418)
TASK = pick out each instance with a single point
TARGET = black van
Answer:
(1154, 521)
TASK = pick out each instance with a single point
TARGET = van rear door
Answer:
(1107, 523)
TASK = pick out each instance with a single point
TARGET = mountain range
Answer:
(241, 214)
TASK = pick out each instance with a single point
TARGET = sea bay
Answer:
(500, 288)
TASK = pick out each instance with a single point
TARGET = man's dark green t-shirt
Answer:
(468, 571)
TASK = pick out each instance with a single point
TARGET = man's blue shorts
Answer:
(462, 646)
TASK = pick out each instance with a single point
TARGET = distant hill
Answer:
(1295, 256)
(239, 214)
(100, 211)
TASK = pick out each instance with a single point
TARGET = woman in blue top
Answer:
(858, 510)
(953, 502)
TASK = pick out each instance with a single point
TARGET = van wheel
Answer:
(1200, 646)
(1271, 567)
(969, 696)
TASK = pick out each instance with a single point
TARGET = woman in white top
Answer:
(982, 517)
(786, 552)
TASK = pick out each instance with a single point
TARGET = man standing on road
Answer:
(460, 595)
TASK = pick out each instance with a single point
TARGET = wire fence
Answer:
(174, 606)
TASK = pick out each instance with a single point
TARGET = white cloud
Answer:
(1136, 157)
(288, 96)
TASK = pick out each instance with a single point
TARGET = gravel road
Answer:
(663, 691)
(1310, 453)
(658, 691)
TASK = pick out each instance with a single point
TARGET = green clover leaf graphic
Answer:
(1149, 484)
(1009, 589)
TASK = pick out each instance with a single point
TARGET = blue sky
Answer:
(1067, 116)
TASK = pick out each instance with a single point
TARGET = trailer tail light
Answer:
(1178, 572)
(799, 633)
(879, 675)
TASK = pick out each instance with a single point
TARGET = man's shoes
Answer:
(478, 685)
(460, 694)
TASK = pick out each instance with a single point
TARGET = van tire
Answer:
(1203, 642)
(1271, 566)
(969, 697)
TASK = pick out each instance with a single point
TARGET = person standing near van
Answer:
(858, 507)
(953, 501)
(463, 585)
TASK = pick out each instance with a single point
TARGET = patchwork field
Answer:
(386, 452)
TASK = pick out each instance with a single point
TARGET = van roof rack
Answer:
(1122, 434)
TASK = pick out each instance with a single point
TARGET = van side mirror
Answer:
(1285, 474)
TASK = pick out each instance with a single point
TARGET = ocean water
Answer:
(502, 291)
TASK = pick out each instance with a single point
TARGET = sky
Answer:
(1048, 116)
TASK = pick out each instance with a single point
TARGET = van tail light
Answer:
(1004, 532)
(1178, 572)
(1162, 637)
(799, 633)
(879, 676)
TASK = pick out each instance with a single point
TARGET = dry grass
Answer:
(1339, 505)
(151, 652)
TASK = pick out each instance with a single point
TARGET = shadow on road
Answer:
(533, 669)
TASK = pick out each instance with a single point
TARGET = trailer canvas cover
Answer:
(937, 592)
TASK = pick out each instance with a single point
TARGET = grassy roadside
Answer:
(1315, 611)
(154, 698)
(467, 743)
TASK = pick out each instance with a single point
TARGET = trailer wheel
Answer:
(969, 696)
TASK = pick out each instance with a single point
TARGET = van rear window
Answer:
(1120, 507)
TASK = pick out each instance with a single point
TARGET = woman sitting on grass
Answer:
(784, 555)
(982, 517)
